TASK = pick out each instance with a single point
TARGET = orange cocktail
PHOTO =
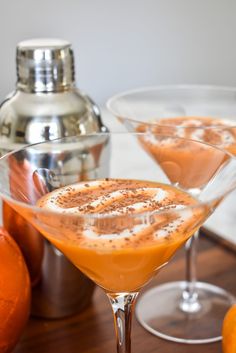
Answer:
(120, 253)
(201, 113)
(175, 155)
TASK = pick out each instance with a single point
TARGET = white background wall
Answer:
(121, 44)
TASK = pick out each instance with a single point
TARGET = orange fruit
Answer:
(15, 292)
(29, 240)
(229, 331)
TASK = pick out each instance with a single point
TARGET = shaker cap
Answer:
(44, 65)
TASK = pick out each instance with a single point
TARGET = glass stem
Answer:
(189, 302)
(122, 305)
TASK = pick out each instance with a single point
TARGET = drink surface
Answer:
(215, 131)
(110, 228)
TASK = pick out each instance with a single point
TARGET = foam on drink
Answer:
(121, 199)
(221, 132)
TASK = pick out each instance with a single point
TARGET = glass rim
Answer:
(98, 216)
(177, 87)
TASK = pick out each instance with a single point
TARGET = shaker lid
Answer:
(44, 65)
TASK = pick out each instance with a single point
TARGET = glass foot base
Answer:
(159, 311)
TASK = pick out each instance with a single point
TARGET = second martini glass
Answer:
(119, 230)
(202, 113)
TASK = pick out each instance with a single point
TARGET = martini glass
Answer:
(119, 231)
(203, 113)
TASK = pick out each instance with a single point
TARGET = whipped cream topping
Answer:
(221, 132)
(217, 131)
(107, 199)
(122, 205)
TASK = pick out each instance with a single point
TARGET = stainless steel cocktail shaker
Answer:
(46, 105)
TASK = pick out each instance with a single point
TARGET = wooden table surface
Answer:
(92, 330)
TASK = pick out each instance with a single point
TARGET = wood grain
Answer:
(92, 330)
